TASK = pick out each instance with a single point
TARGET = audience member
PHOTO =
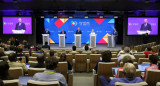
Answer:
(129, 72)
(13, 58)
(132, 50)
(51, 53)
(126, 59)
(40, 59)
(126, 53)
(25, 48)
(4, 67)
(63, 58)
(12, 49)
(106, 57)
(86, 49)
(122, 50)
(50, 74)
(148, 51)
(20, 54)
(74, 49)
(46, 45)
(153, 64)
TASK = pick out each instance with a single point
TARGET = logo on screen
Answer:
(73, 23)
(129, 24)
(4, 22)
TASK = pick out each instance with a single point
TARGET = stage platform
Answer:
(69, 46)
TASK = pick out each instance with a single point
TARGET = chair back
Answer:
(32, 63)
(131, 84)
(62, 68)
(81, 62)
(42, 83)
(14, 82)
(94, 58)
(141, 60)
(32, 71)
(32, 58)
(69, 58)
(15, 72)
(137, 56)
(152, 77)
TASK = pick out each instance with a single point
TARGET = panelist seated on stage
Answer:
(92, 31)
(47, 31)
(63, 32)
(146, 26)
(20, 25)
(78, 31)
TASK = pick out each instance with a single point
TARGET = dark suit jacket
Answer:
(46, 46)
(20, 27)
(62, 33)
(45, 32)
(80, 32)
(148, 27)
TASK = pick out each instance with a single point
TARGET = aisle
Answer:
(83, 79)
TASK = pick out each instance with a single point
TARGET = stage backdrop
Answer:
(102, 27)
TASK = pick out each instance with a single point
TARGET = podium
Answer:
(77, 40)
(141, 32)
(62, 40)
(93, 40)
(18, 31)
(111, 40)
(45, 38)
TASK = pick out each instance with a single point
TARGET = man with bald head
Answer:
(20, 25)
(146, 26)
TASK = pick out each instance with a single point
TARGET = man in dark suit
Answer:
(78, 31)
(146, 26)
(20, 25)
(115, 33)
(47, 31)
(63, 32)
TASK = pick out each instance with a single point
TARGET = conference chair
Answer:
(88, 54)
(135, 64)
(32, 71)
(69, 58)
(25, 51)
(141, 60)
(5, 58)
(105, 69)
(47, 54)
(32, 58)
(131, 84)
(151, 54)
(80, 62)
(32, 63)
(14, 82)
(42, 83)
(62, 68)
(73, 54)
(60, 53)
(152, 77)
(94, 58)
(158, 84)
(115, 51)
(115, 60)
(35, 54)
(15, 72)
(23, 59)
(27, 54)
(137, 56)
(114, 55)
(120, 73)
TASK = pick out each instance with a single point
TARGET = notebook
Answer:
(143, 66)
(24, 79)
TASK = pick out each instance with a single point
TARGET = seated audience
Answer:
(129, 72)
(63, 58)
(46, 45)
(25, 48)
(132, 50)
(40, 59)
(148, 51)
(74, 49)
(1, 54)
(106, 57)
(20, 54)
(126, 53)
(50, 74)
(86, 49)
(51, 53)
(122, 50)
(13, 58)
(153, 64)
(12, 49)
(126, 59)
(4, 67)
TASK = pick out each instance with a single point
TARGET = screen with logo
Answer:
(102, 27)
(17, 25)
(141, 26)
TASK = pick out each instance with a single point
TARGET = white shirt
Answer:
(92, 32)
(19, 24)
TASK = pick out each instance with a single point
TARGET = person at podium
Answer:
(47, 31)
(92, 31)
(146, 26)
(20, 25)
(115, 33)
(63, 32)
(78, 31)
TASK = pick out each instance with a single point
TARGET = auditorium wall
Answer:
(136, 40)
(30, 38)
